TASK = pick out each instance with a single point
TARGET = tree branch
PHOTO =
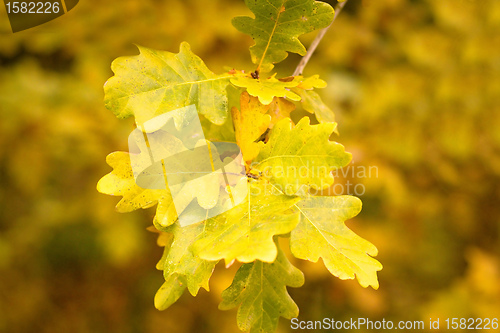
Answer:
(303, 62)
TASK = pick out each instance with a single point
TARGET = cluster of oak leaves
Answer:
(251, 109)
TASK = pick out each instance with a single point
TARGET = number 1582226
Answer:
(30, 7)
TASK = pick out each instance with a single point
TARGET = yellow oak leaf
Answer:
(279, 109)
(311, 82)
(250, 123)
(268, 88)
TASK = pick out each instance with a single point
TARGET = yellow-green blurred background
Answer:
(415, 85)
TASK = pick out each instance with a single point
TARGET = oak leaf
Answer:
(277, 26)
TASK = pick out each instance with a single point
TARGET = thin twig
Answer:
(303, 62)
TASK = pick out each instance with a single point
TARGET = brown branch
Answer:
(303, 62)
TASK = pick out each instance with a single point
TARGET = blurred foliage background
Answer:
(415, 85)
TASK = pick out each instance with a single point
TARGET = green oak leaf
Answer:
(312, 103)
(155, 82)
(246, 231)
(259, 289)
(322, 232)
(299, 158)
(277, 26)
(181, 267)
(267, 89)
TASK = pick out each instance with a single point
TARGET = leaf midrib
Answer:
(271, 35)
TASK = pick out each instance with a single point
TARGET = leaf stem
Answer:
(303, 62)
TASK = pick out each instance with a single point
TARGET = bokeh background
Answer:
(415, 85)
